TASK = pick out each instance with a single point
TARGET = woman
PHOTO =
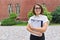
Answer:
(37, 24)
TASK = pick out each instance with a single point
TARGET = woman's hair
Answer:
(40, 8)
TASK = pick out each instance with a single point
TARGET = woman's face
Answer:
(37, 10)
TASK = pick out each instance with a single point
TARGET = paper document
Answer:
(36, 23)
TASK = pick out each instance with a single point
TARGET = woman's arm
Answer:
(32, 31)
(42, 29)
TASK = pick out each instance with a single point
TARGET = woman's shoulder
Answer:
(43, 16)
(32, 16)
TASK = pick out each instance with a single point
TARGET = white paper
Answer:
(36, 23)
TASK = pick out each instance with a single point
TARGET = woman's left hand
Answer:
(32, 28)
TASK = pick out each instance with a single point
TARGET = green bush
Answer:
(56, 15)
(13, 15)
(47, 13)
(30, 13)
(9, 21)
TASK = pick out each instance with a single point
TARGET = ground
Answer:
(20, 33)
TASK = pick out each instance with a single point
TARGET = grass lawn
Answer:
(53, 24)
(21, 23)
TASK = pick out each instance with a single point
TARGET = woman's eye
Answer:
(37, 8)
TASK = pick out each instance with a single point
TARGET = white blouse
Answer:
(37, 21)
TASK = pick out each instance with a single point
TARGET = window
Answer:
(17, 8)
(10, 8)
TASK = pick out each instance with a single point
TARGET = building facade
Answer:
(22, 7)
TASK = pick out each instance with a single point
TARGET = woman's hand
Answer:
(38, 33)
(32, 28)
(40, 29)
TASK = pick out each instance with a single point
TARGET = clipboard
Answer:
(36, 23)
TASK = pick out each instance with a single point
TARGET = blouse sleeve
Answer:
(29, 21)
(45, 19)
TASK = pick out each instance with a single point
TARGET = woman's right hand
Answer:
(32, 31)
(38, 33)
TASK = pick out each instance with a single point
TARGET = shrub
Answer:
(56, 15)
(30, 13)
(47, 13)
(9, 21)
(13, 15)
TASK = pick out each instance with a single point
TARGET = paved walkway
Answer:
(20, 33)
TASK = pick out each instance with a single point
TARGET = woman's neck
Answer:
(38, 14)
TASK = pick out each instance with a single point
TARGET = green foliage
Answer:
(56, 15)
(12, 15)
(30, 13)
(47, 13)
(9, 21)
